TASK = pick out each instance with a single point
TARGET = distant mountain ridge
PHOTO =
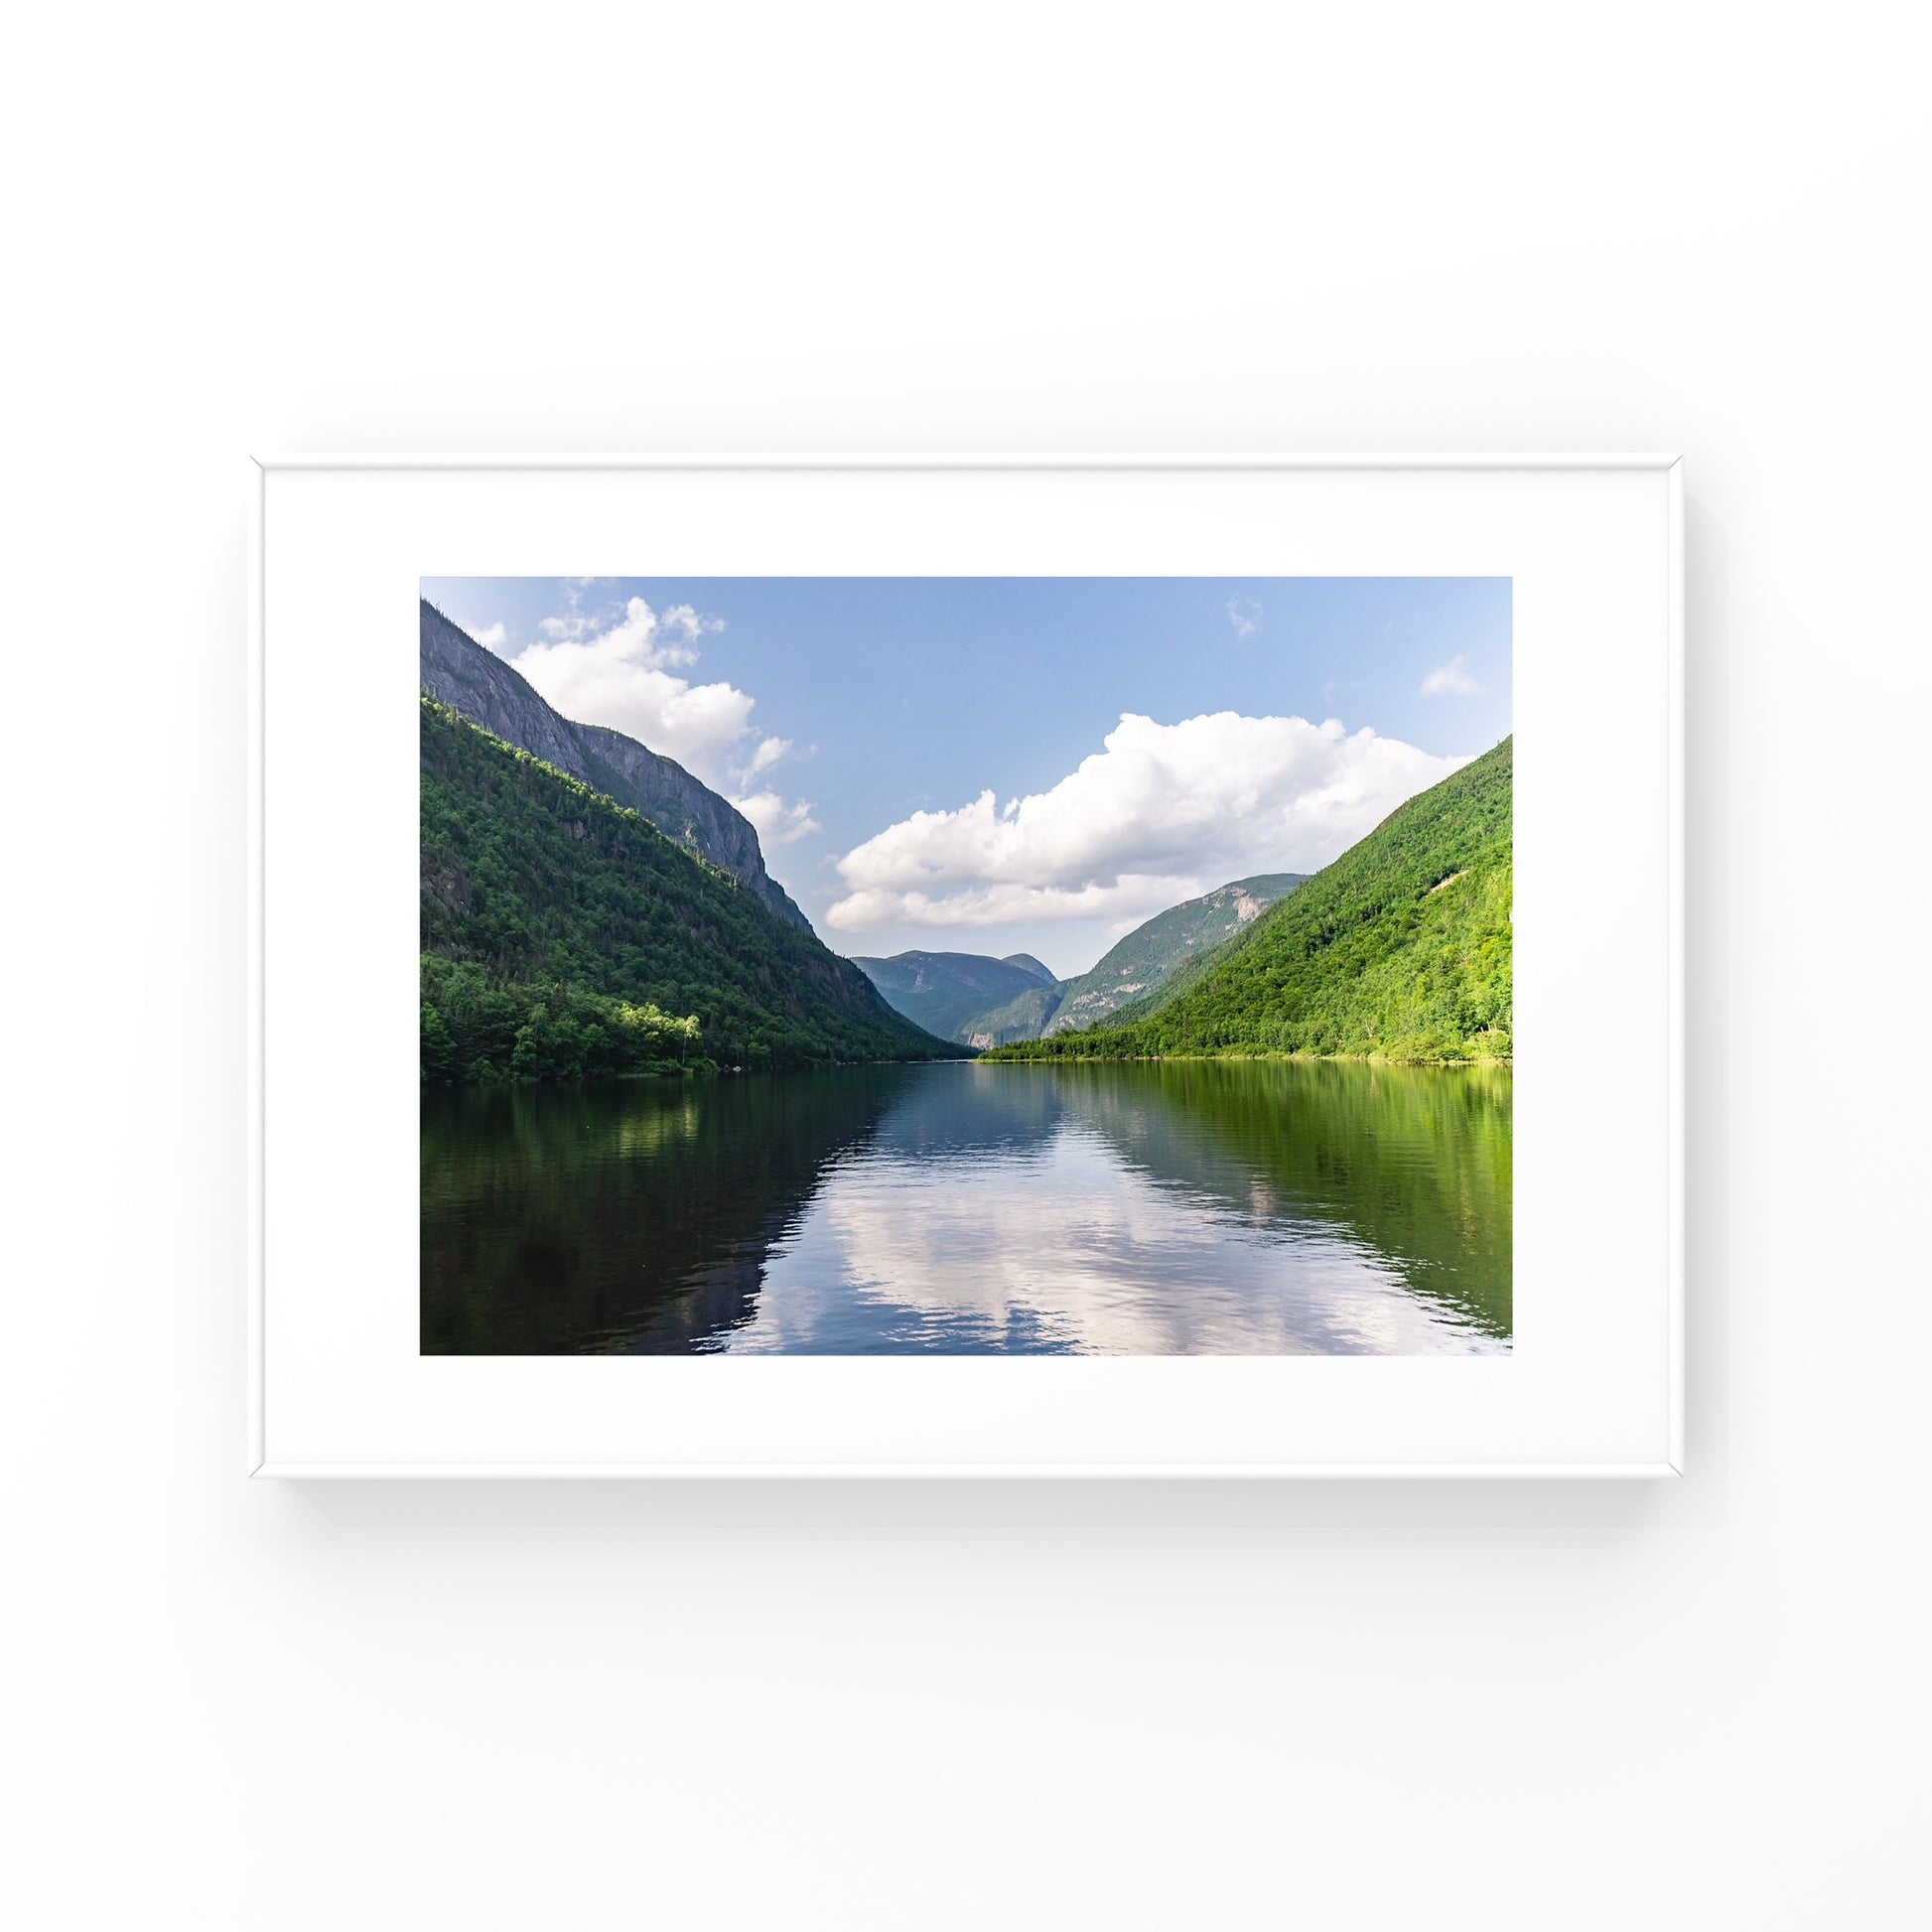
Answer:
(1024, 1017)
(939, 990)
(983, 1001)
(457, 671)
(1167, 943)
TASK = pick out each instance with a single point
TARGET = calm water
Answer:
(1230, 1209)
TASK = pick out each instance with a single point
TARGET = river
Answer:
(1225, 1207)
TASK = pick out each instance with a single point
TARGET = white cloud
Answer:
(776, 822)
(1244, 613)
(1135, 897)
(767, 753)
(681, 618)
(492, 636)
(621, 668)
(1164, 813)
(621, 671)
(661, 638)
(1451, 680)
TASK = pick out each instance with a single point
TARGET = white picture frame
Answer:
(1595, 1384)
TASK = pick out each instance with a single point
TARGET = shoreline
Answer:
(987, 1060)
(995, 1058)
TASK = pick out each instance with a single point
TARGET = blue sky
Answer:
(942, 762)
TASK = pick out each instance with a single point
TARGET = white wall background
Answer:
(1198, 227)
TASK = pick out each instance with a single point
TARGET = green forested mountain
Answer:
(563, 935)
(1399, 950)
(1024, 1017)
(1027, 963)
(1167, 943)
(1153, 952)
(939, 990)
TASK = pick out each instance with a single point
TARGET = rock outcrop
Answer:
(457, 671)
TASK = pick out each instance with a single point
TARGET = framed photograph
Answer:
(967, 965)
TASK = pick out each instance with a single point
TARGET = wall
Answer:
(1655, 227)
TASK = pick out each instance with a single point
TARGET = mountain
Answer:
(457, 671)
(1027, 963)
(938, 990)
(1024, 1017)
(1166, 943)
(1400, 950)
(563, 934)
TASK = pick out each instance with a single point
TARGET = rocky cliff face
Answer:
(457, 671)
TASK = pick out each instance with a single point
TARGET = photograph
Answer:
(950, 1329)
(976, 966)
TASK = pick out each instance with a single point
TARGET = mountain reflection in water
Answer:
(1205, 1207)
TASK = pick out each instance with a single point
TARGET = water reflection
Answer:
(1220, 1207)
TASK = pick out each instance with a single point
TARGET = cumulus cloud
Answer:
(661, 637)
(492, 636)
(1451, 680)
(621, 669)
(766, 754)
(1163, 813)
(1244, 613)
(776, 822)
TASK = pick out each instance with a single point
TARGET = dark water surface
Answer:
(1228, 1207)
